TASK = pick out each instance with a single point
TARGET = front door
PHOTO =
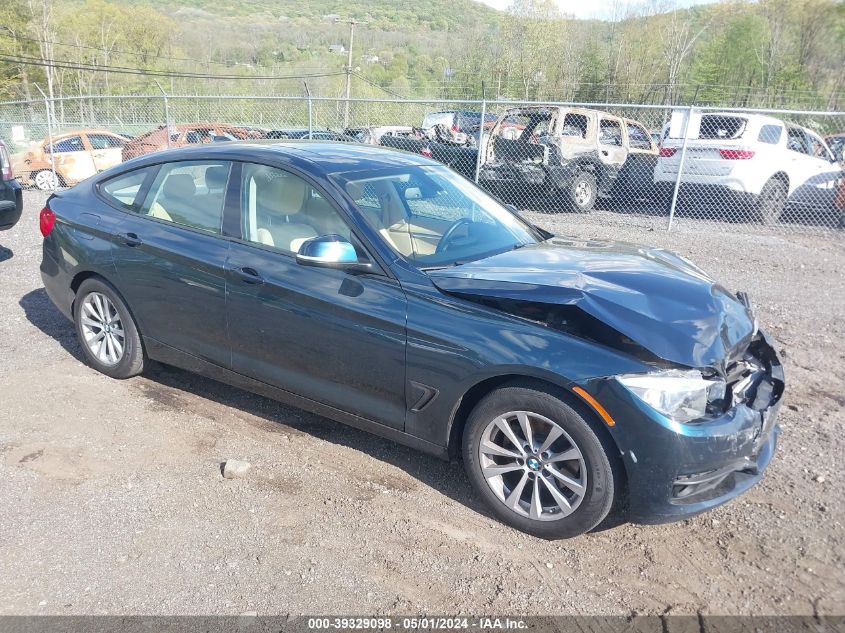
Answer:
(170, 256)
(329, 335)
(106, 150)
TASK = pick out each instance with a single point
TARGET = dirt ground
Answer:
(113, 501)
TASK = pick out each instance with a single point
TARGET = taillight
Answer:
(5, 164)
(736, 154)
(455, 127)
(46, 221)
(426, 151)
(667, 152)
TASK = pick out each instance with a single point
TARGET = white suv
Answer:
(758, 161)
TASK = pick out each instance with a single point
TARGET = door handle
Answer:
(249, 275)
(131, 239)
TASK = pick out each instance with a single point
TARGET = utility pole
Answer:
(352, 22)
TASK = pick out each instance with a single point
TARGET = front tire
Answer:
(106, 330)
(582, 192)
(46, 180)
(538, 463)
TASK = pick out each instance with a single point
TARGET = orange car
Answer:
(77, 155)
(185, 134)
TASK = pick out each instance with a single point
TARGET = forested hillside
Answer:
(769, 53)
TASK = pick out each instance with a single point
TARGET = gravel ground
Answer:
(113, 499)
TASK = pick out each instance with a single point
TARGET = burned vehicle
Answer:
(572, 376)
(565, 157)
(165, 137)
(70, 158)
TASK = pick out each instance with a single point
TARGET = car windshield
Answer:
(434, 217)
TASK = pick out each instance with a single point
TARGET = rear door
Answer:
(72, 159)
(170, 256)
(612, 151)
(106, 150)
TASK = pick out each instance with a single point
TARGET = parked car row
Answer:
(546, 156)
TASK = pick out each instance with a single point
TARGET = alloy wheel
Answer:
(532, 465)
(46, 180)
(102, 329)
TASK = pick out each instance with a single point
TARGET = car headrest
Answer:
(179, 186)
(216, 177)
(283, 195)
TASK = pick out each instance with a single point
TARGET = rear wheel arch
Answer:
(84, 275)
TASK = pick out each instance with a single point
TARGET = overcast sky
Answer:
(602, 9)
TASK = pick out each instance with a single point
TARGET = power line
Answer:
(125, 52)
(26, 60)
(375, 85)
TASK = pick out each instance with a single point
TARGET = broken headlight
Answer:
(680, 395)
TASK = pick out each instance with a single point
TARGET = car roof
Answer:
(319, 156)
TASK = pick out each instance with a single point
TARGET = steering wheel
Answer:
(443, 244)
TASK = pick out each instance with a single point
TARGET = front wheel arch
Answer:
(480, 389)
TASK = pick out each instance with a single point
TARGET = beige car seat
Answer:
(174, 203)
(280, 200)
(390, 219)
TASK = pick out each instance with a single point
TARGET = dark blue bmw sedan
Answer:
(383, 290)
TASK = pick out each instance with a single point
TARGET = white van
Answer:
(758, 159)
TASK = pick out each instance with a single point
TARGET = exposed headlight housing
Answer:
(682, 395)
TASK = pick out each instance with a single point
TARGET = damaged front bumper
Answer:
(676, 470)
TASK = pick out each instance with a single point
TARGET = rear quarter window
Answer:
(770, 134)
(123, 190)
(722, 127)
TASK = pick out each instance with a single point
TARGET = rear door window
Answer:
(638, 138)
(610, 132)
(189, 193)
(797, 142)
(715, 127)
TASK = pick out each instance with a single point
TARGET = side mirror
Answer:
(330, 251)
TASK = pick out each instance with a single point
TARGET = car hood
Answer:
(654, 297)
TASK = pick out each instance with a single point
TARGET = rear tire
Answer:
(106, 330)
(582, 192)
(771, 202)
(554, 489)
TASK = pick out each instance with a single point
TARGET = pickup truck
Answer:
(566, 155)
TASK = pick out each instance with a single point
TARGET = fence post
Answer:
(478, 156)
(166, 112)
(680, 168)
(47, 110)
(310, 112)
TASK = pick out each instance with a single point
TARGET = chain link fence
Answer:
(749, 169)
